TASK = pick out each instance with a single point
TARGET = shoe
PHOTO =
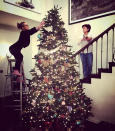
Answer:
(18, 80)
(16, 72)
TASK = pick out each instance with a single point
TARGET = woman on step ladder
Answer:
(24, 41)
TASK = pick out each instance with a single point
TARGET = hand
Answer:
(89, 38)
(41, 25)
(83, 39)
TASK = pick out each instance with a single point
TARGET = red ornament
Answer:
(70, 93)
(39, 61)
(47, 123)
(46, 80)
(62, 116)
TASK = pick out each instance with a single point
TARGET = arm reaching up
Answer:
(40, 25)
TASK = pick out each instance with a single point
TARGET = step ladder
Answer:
(18, 86)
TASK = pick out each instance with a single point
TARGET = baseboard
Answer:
(94, 120)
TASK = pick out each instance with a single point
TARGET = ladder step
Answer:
(23, 93)
(16, 105)
(19, 91)
(11, 60)
(12, 75)
(17, 109)
(19, 87)
(8, 75)
(12, 105)
(16, 100)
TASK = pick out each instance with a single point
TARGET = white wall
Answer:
(8, 36)
(102, 92)
(98, 25)
(47, 5)
(75, 31)
(41, 6)
(6, 7)
(9, 16)
(105, 91)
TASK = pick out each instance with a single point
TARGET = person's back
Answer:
(23, 41)
(24, 38)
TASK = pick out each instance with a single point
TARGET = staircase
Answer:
(103, 54)
(100, 85)
(98, 75)
(102, 92)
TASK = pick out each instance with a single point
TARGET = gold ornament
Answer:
(46, 80)
(33, 102)
(63, 103)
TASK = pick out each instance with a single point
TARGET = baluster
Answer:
(113, 46)
(79, 64)
(87, 49)
(101, 50)
(96, 56)
(107, 53)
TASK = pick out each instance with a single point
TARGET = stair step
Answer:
(98, 76)
(112, 63)
(95, 76)
(105, 70)
(86, 80)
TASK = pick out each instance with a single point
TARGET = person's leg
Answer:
(16, 52)
(84, 64)
(19, 59)
(90, 63)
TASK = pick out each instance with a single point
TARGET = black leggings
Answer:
(16, 52)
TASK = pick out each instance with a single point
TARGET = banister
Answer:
(95, 39)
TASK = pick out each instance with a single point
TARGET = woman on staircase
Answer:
(23, 42)
(86, 55)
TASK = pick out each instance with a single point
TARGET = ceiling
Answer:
(11, 19)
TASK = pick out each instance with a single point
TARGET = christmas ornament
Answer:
(47, 108)
(33, 102)
(50, 96)
(39, 61)
(55, 92)
(78, 122)
(63, 103)
(46, 80)
(39, 36)
(69, 108)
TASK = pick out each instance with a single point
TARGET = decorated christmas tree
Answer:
(56, 95)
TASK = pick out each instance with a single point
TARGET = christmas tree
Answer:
(56, 95)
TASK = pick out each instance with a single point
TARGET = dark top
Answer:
(24, 38)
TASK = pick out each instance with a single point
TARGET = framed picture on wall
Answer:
(82, 10)
(30, 5)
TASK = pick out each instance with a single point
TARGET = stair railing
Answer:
(103, 50)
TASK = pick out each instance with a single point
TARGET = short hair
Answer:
(88, 26)
(20, 25)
